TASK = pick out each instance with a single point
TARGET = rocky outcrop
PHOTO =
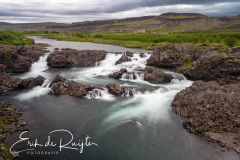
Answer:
(154, 75)
(129, 54)
(117, 90)
(75, 58)
(118, 74)
(9, 115)
(71, 88)
(211, 110)
(32, 82)
(124, 58)
(57, 79)
(222, 67)
(18, 59)
(7, 82)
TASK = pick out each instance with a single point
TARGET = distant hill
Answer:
(163, 23)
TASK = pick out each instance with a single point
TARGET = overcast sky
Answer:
(68, 11)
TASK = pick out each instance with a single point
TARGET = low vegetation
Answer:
(13, 38)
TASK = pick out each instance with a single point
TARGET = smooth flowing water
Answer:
(139, 127)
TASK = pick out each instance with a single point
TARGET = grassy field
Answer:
(13, 38)
(150, 40)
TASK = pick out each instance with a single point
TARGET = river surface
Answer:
(142, 127)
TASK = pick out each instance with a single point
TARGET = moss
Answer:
(222, 50)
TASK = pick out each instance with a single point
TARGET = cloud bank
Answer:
(18, 11)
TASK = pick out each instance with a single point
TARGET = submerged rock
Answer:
(154, 75)
(124, 58)
(75, 58)
(212, 110)
(142, 55)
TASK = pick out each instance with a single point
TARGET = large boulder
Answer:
(71, 88)
(211, 110)
(117, 90)
(8, 83)
(124, 58)
(129, 54)
(57, 79)
(154, 75)
(32, 82)
(118, 74)
(176, 55)
(18, 59)
(75, 58)
(215, 66)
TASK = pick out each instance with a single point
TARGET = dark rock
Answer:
(71, 88)
(8, 83)
(18, 59)
(114, 89)
(211, 110)
(118, 74)
(32, 82)
(117, 90)
(154, 75)
(129, 54)
(142, 55)
(215, 66)
(2, 68)
(57, 79)
(124, 58)
(75, 58)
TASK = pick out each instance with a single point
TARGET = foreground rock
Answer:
(18, 59)
(9, 83)
(124, 58)
(117, 90)
(211, 110)
(32, 82)
(8, 115)
(71, 88)
(154, 75)
(57, 79)
(75, 58)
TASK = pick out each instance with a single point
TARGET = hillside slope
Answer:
(162, 23)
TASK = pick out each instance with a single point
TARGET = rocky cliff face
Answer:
(211, 110)
(73, 58)
(18, 59)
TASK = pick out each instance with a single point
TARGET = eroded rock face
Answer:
(72, 88)
(154, 75)
(212, 110)
(118, 74)
(124, 58)
(215, 66)
(32, 82)
(129, 54)
(18, 59)
(75, 58)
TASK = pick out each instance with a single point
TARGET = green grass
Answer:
(150, 40)
(13, 38)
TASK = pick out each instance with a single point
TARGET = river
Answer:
(142, 127)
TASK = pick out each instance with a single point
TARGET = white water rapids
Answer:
(150, 100)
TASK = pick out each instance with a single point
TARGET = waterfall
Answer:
(100, 94)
